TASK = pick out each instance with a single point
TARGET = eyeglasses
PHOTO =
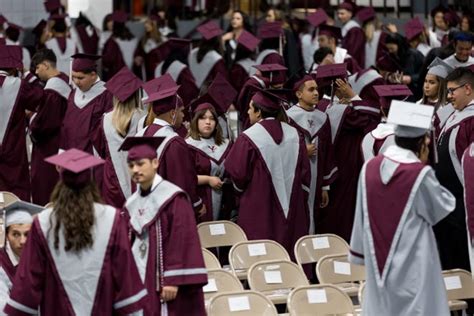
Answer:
(451, 90)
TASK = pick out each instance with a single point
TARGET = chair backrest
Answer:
(210, 260)
(7, 198)
(459, 284)
(275, 275)
(220, 233)
(245, 253)
(220, 281)
(361, 293)
(244, 303)
(335, 269)
(311, 248)
(317, 300)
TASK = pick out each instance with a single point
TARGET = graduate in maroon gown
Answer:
(350, 118)
(363, 83)
(205, 61)
(16, 96)
(176, 165)
(174, 64)
(270, 170)
(119, 49)
(241, 68)
(374, 36)
(209, 150)
(353, 37)
(165, 242)
(271, 46)
(86, 35)
(45, 125)
(62, 46)
(267, 76)
(77, 259)
(16, 227)
(468, 184)
(116, 125)
(456, 135)
(315, 128)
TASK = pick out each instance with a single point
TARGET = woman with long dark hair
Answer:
(77, 260)
(239, 23)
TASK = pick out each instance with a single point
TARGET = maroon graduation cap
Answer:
(84, 62)
(333, 71)
(141, 147)
(123, 84)
(387, 63)
(413, 28)
(248, 41)
(270, 30)
(268, 100)
(11, 57)
(275, 72)
(331, 31)
(209, 30)
(317, 18)
(204, 106)
(165, 100)
(348, 5)
(301, 81)
(119, 16)
(366, 14)
(389, 92)
(75, 166)
(52, 5)
(220, 93)
(160, 83)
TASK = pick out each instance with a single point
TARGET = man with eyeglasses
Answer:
(455, 137)
(462, 51)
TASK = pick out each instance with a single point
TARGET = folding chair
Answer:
(220, 281)
(210, 260)
(7, 198)
(275, 279)
(311, 248)
(245, 253)
(337, 270)
(318, 300)
(459, 286)
(220, 233)
(244, 303)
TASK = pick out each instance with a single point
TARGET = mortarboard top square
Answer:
(160, 83)
(268, 100)
(209, 30)
(178, 43)
(366, 14)
(222, 92)
(270, 67)
(74, 160)
(270, 30)
(439, 68)
(411, 119)
(52, 5)
(393, 90)
(317, 18)
(247, 40)
(329, 30)
(162, 94)
(123, 84)
(24, 206)
(119, 16)
(141, 147)
(82, 62)
(413, 28)
(333, 71)
(11, 57)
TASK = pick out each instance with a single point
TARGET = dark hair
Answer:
(176, 54)
(470, 19)
(463, 37)
(83, 20)
(43, 55)
(270, 43)
(206, 46)
(245, 21)
(242, 53)
(265, 113)
(60, 26)
(320, 54)
(194, 129)
(402, 44)
(120, 30)
(412, 144)
(461, 75)
(106, 20)
(12, 33)
(73, 209)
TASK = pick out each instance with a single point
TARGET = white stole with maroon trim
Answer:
(58, 85)
(8, 94)
(201, 70)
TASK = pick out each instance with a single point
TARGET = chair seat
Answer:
(457, 305)
(278, 296)
(241, 274)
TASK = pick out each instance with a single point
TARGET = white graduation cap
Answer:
(18, 212)
(439, 68)
(410, 119)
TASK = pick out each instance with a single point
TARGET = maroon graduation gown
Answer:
(152, 53)
(103, 280)
(115, 58)
(7, 265)
(251, 86)
(208, 68)
(188, 90)
(239, 75)
(209, 160)
(89, 39)
(16, 96)
(163, 225)
(349, 124)
(271, 210)
(45, 129)
(354, 41)
(468, 183)
(176, 164)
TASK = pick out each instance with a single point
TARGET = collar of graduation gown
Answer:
(383, 130)
(273, 127)
(349, 26)
(161, 122)
(11, 255)
(401, 155)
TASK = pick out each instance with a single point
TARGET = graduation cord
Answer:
(160, 270)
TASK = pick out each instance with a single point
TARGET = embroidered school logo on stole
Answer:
(311, 123)
(212, 148)
(141, 211)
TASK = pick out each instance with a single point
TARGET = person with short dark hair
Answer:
(45, 125)
(462, 50)
(399, 199)
(456, 135)
(353, 37)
